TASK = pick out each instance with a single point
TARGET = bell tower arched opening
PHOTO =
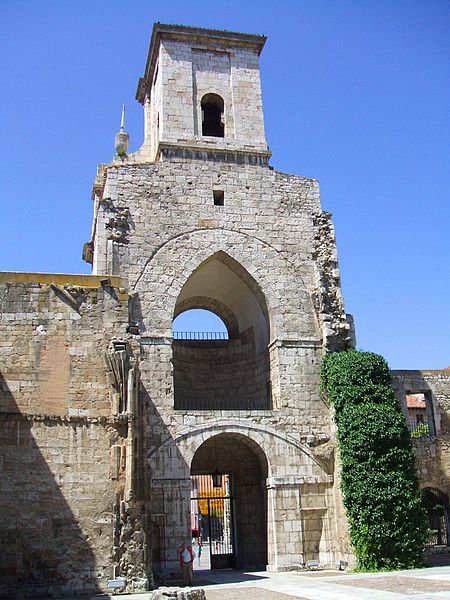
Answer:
(212, 115)
(217, 373)
(228, 502)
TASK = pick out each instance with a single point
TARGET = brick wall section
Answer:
(55, 338)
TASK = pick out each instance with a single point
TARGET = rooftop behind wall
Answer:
(90, 281)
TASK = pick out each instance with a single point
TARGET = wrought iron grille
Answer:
(419, 430)
(212, 519)
(438, 532)
(200, 335)
(224, 403)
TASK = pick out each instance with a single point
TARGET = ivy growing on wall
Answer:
(379, 483)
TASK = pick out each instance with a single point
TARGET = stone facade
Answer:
(64, 436)
(264, 259)
(106, 417)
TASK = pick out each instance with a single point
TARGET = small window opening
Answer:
(420, 414)
(120, 346)
(212, 115)
(219, 197)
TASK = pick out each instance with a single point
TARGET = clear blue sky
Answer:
(356, 94)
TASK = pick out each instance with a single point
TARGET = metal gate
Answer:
(437, 506)
(212, 520)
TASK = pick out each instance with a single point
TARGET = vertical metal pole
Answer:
(210, 536)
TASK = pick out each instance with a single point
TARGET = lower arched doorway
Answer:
(229, 503)
(436, 505)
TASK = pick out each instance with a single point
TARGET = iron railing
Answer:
(419, 430)
(225, 403)
(437, 538)
(200, 335)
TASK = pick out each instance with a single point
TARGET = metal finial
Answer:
(122, 120)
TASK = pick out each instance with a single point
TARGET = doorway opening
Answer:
(229, 503)
(212, 521)
(437, 506)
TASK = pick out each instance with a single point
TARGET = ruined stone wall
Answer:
(158, 215)
(432, 451)
(272, 225)
(62, 445)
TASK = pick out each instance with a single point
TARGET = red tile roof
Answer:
(416, 401)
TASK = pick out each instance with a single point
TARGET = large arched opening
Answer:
(229, 503)
(223, 372)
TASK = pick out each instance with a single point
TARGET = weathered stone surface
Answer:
(105, 417)
(62, 481)
(265, 260)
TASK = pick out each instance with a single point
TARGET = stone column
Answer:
(298, 527)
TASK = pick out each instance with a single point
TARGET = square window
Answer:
(219, 197)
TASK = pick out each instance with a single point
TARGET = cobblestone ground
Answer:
(403, 585)
(245, 593)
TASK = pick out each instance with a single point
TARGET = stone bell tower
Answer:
(201, 89)
(196, 218)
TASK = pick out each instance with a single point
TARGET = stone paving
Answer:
(421, 584)
(245, 593)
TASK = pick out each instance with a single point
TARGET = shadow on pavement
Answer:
(224, 576)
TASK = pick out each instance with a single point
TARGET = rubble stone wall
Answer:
(432, 451)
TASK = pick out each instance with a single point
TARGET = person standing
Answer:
(197, 548)
(186, 563)
(199, 551)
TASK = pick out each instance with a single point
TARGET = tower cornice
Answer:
(195, 34)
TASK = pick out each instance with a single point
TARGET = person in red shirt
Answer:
(186, 563)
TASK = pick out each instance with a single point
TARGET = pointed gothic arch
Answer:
(224, 374)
